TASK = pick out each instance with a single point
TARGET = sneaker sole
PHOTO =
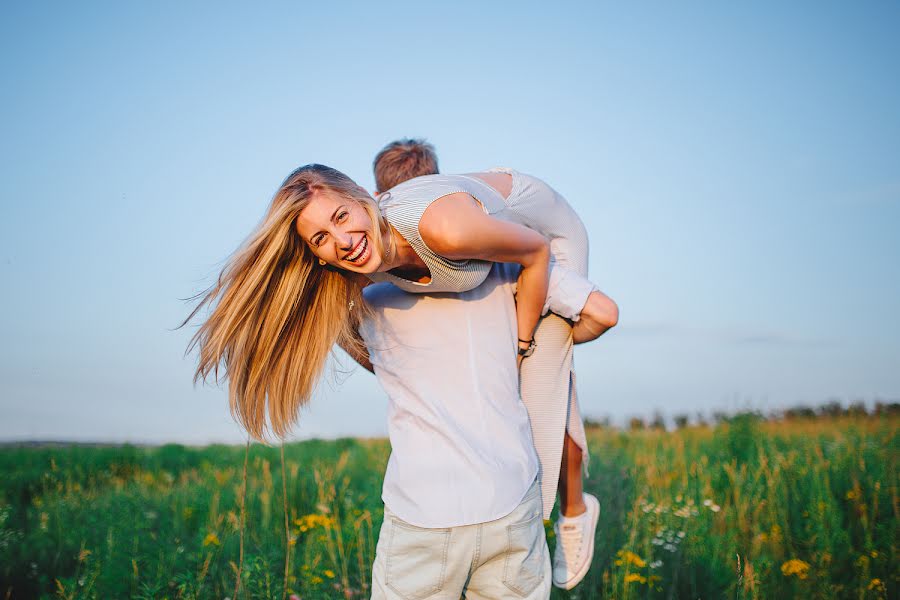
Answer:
(568, 585)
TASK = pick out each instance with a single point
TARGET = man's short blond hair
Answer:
(402, 160)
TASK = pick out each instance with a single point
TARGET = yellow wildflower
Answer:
(211, 539)
(549, 531)
(632, 577)
(316, 580)
(877, 584)
(626, 557)
(329, 573)
(795, 567)
(312, 521)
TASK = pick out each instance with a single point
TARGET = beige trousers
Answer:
(503, 559)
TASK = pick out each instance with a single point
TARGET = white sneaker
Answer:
(575, 545)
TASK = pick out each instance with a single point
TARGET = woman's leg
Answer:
(600, 313)
(571, 491)
(579, 512)
(545, 388)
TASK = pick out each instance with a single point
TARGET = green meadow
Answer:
(795, 508)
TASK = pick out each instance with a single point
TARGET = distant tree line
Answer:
(830, 409)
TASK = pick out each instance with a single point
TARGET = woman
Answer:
(294, 289)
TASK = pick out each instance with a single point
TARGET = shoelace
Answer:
(571, 539)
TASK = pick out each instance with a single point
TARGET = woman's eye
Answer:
(317, 241)
(343, 215)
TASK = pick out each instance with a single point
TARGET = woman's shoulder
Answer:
(425, 186)
(415, 195)
(409, 200)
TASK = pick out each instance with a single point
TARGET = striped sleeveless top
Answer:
(403, 207)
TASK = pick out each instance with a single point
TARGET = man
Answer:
(463, 511)
(547, 380)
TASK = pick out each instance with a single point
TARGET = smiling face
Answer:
(339, 231)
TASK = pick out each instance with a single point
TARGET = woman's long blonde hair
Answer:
(276, 313)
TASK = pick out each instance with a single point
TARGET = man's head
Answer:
(402, 160)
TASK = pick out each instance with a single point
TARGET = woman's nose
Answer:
(344, 240)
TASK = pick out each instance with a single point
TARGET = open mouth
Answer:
(360, 252)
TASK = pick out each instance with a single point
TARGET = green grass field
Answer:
(803, 508)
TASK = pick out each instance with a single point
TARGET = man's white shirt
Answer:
(462, 451)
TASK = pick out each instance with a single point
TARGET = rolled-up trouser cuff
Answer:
(568, 292)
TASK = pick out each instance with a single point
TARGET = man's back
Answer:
(462, 448)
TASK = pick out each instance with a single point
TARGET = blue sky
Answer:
(738, 168)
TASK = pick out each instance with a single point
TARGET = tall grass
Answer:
(745, 510)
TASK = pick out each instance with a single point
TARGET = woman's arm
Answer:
(456, 227)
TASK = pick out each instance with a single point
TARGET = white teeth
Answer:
(361, 247)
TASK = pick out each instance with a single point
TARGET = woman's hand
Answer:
(457, 228)
(526, 348)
